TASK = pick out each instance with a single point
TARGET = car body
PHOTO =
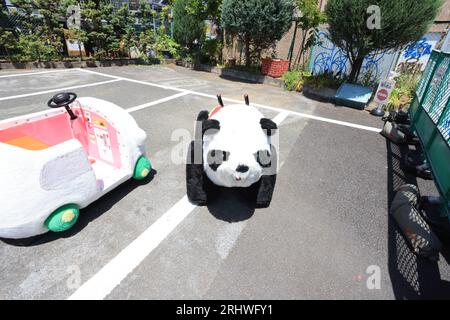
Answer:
(51, 165)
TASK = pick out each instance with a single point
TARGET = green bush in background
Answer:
(188, 27)
(295, 79)
(106, 32)
(257, 23)
(403, 93)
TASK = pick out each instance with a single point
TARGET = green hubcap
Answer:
(63, 218)
(142, 168)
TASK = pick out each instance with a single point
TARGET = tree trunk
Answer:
(302, 48)
(247, 51)
(221, 36)
(79, 50)
(356, 68)
(7, 53)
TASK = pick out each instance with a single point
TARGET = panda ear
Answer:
(211, 124)
(219, 99)
(203, 115)
(268, 126)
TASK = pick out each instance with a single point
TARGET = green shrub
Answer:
(210, 51)
(295, 79)
(257, 23)
(324, 80)
(167, 44)
(291, 79)
(188, 28)
(32, 47)
(403, 93)
(407, 83)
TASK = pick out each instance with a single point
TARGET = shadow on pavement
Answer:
(232, 204)
(234, 79)
(88, 214)
(412, 277)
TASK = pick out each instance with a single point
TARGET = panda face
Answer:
(236, 154)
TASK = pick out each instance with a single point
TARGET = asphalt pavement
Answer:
(327, 226)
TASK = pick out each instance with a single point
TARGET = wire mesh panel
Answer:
(434, 90)
(431, 120)
(414, 107)
(443, 93)
(444, 125)
(427, 74)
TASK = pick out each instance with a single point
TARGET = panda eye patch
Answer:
(216, 158)
(263, 157)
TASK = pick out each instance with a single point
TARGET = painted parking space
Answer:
(136, 95)
(16, 85)
(126, 211)
(327, 223)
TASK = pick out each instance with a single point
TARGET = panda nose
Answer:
(242, 169)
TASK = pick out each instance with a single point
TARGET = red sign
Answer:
(382, 95)
(384, 91)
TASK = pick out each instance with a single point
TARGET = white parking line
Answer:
(110, 276)
(137, 81)
(299, 114)
(150, 104)
(280, 117)
(58, 89)
(36, 73)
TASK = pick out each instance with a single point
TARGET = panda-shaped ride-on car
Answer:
(233, 149)
(54, 163)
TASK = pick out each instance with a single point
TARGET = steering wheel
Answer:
(63, 99)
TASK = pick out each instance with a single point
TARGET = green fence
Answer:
(430, 112)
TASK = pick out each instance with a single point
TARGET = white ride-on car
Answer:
(56, 162)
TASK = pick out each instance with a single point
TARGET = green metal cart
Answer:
(430, 114)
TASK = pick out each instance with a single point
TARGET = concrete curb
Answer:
(8, 65)
(326, 95)
(234, 74)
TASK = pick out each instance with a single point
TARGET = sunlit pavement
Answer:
(327, 224)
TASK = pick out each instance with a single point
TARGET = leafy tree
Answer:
(206, 50)
(188, 25)
(402, 22)
(8, 41)
(146, 15)
(110, 32)
(164, 43)
(80, 37)
(40, 35)
(106, 31)
(310, 17)
(204, 9)
(122, 25)
(34, 47)
(257, 23)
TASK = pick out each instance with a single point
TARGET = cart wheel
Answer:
(142, 168)
(63, 218)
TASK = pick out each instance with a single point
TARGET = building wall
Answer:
(282, 48)
(327, 57)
